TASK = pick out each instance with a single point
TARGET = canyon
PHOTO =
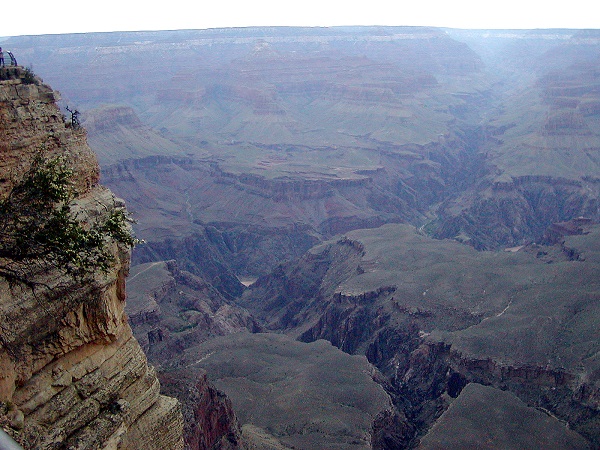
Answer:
(331, 215)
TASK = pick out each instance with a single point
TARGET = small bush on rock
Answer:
(40, 232)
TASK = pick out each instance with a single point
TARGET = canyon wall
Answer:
(434, 316)
(71, 373)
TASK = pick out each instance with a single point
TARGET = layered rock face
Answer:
(295, 135)
(541, 149)
(434, 316)
(490, 137)
(71, 373)
(170, 311)
(276, 138)
(210, 422)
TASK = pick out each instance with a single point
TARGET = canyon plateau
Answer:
(355, 238)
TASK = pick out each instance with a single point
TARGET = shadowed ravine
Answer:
(418, 207)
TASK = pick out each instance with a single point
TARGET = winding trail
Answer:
(146, 269)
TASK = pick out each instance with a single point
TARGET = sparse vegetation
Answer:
(28, 76)
(7, 73)
(40, 232)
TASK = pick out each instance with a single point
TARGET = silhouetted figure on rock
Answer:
(1, 58)
(74, 118)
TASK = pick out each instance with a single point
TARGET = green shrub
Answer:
(28, 76)
(40, 232)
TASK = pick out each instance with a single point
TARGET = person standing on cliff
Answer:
(1, 58)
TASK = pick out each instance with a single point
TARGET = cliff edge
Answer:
(71, 373)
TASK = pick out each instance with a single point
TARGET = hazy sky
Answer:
(44, 16)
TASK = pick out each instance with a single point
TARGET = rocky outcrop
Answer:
(171, 311)
(306, 396)
(210, 422)
(488, 416)
(108, 118)
(434, 316)
(197, 254)
(557, 231)
(217, 427)
(30, 122)
(517, 212)
(293, 290)
(71, 373)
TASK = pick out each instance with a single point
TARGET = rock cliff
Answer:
(295, 135)
(170, 311)
(210, 422)
(486, 137)
(434, 316)
(71, 373)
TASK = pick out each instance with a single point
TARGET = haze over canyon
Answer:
(355, 237)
